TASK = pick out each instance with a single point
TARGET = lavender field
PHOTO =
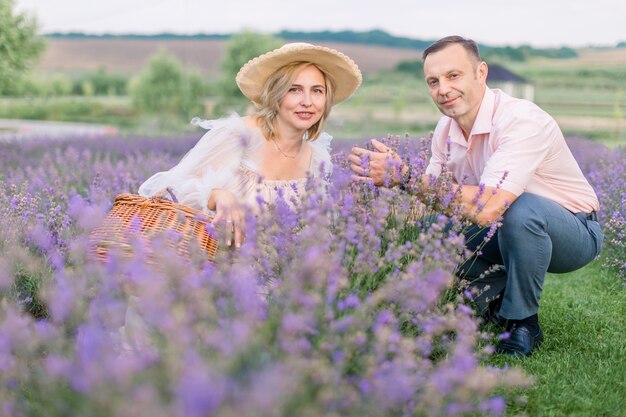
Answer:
(346, 305)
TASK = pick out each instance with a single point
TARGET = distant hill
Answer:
(372, 38)
(129, 55)
(81, 35)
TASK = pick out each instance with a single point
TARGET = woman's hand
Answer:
(228, 210)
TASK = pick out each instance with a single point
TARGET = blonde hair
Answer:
(276, 87)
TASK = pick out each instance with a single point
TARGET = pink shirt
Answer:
(515, 137)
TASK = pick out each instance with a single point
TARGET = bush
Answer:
(240, 49)
(164, 88)
(107, 84)
(53, 85)
(412, 67)
(59, 85)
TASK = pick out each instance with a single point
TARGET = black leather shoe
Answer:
(491, 315)
(521, 341)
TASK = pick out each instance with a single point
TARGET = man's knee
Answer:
(523, 215)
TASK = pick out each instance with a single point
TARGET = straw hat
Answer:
(254, 73)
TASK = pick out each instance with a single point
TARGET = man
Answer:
(514, 164)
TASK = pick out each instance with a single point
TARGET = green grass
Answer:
(108, 110)
(580, 370)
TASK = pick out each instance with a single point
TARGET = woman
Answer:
(293, 89)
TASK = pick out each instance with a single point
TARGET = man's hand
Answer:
(380, 167)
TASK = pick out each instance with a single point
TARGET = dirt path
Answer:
(11, 129)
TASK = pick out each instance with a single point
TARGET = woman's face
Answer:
(304, 103)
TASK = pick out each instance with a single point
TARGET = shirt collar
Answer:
(482, 124)
(456, 134)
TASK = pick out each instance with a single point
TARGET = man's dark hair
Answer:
(470, 46)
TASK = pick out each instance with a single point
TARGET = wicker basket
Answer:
(133, 215)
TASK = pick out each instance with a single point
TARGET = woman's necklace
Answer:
(283, 153)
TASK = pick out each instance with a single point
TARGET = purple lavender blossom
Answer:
(343, 303)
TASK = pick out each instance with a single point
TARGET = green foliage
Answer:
(98, 83)
(558, 53)
(606, 76)
(59, 85)
(31, 275)
(240, 49)
(54, 85)
(103, 83)
(73, 110)
(502, 53)
(20, 45)
(86, 88)
(524, 52)
(412, 67)
(165, 88)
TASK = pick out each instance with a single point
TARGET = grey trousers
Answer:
(537, 236)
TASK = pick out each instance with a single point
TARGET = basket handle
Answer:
(161, 194)
(171, 193)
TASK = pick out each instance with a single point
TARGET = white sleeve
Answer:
(212, 163)
(321, 164)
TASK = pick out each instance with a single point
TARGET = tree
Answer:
(412, 67)
(165, 88)
(240, 49)
(20, 45)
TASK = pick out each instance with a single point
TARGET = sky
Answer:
(540, 23)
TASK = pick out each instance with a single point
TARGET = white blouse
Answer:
(223, 158)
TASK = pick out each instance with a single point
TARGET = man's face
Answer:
(456, 83)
